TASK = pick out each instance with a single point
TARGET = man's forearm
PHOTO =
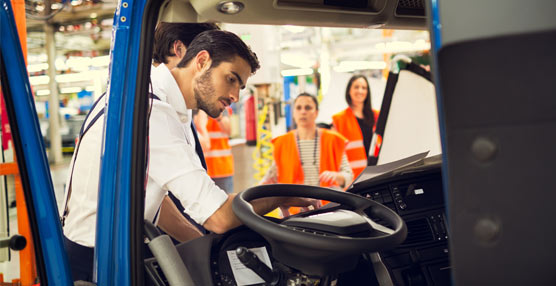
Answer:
(225, 219)
(174, 223)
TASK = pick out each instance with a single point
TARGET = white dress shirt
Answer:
(173, 165)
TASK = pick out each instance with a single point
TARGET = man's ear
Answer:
(203, 61)
(179, 49)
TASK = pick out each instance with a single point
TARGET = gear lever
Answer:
(251, 261)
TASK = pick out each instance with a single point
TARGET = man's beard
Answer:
(203, 91)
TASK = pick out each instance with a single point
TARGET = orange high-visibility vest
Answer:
(347, 125)
(220, 162)
(288, 163)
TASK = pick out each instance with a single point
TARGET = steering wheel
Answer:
(305, 241)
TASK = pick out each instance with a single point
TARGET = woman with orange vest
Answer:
(213, 136)
(309, 155)
(357, 123)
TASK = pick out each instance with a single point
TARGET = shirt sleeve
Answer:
(346, 171)
(175, 166)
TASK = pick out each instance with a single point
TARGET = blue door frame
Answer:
(113, 223)
(112, 253)
(436, 43)
(32, 157)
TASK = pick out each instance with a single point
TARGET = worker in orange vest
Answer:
(357, 123)
(309, 155)
(213, 136)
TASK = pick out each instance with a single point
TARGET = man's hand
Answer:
(225, 219)
(299, 202)
(306, 204)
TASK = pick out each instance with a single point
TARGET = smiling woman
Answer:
(357, 122)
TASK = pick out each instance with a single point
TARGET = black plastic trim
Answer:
(139, 144)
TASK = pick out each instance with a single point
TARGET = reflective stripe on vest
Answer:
(218, 153)
(347, 125)
(220, 162)
(357, 164)
(217, 135)
(354, 145)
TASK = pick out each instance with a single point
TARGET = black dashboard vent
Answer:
(347, 3)
(418, 231)
(410, 8)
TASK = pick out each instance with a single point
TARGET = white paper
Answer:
(371, 172)
(244, 275)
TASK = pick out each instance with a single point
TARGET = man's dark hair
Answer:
(166, 34)
(222, 46)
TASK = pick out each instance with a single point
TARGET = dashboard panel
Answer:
(416, 194)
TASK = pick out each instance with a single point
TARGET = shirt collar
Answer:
(166, 88)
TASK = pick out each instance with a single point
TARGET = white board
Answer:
(412, 124)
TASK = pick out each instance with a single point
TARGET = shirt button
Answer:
(183, 119)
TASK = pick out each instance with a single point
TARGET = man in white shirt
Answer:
(170, 42)
(216, 65)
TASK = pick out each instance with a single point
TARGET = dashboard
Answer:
(417, 195)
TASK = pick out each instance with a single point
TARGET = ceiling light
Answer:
(43, 92)
(72, 89)
(101, 61)
(294, 72)
(60, 64)
(403, 46)
(294, 29)
(38, 80)
(37, 67)
(349, 66)
(230, 7)
(79, 64)
(298, 60)
(74, 77)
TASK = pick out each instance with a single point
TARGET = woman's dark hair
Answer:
(222, 46)
(166, 34)
(314, 98)
(368, 115)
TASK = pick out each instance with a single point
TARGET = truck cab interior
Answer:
(295, 253)
(477, 213)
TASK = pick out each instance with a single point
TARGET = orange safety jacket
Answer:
(220, 162)
(347, 125)
(288, 163)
